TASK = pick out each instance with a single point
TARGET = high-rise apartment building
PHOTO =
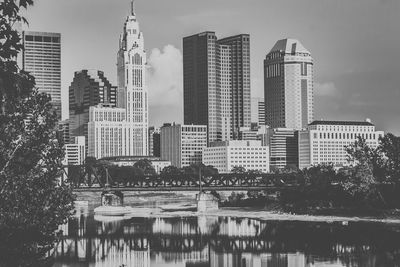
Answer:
(88, 88)
(325, 141)
(216, 77)
(132, 89)
(41, 57)
(183, 144)
(288, 85)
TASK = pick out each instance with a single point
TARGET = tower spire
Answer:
(132, 7)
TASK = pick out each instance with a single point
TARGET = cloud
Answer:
(165, 85)
(326, 89)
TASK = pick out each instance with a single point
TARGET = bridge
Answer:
(96, 180)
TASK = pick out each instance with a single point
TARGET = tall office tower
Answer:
(183, 144)
(216, 76)
(202, 96)
(132, 90)
(258, 110)
(240, 75)
(41, 57)
(288, 85)
(88, 88)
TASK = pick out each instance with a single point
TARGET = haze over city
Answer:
(353, 43)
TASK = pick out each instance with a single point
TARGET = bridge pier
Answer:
(112, 198)
(206, 202)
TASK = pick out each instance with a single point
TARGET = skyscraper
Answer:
(288, 85)
(240, 81)
(88, 88)
(132, 90)
(216, 77)
(42, 58)
(123, 130)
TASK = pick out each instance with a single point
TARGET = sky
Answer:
(355, 45)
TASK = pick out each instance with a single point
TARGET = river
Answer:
(222, 239)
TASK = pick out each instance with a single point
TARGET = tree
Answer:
(32, 201)
(145, 166)
(238, 170)
(389, 155)
(170, 172)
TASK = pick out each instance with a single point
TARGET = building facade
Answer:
(283, 148)
(183, 144)
(132, 89)
(88, 88)
(63, 131)
(325, 141)
(240, 81)
(226, 155)
(75, 152)
(258, 110)
(216, 77)
(288, 85)
(154, 142)
(41, 57)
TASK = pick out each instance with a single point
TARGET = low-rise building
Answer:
(250, 154)
(325, 141)
(283, 147)
(183, 144)
(75, 152)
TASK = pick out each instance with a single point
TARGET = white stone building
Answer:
(183, 144)
(325, 141)
(250, 155)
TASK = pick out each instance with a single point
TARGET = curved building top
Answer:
(289, 46)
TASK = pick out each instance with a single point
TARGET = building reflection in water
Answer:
(222, 242)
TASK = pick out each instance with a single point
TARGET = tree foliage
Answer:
(32, 202)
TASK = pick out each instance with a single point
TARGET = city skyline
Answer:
(350, 68)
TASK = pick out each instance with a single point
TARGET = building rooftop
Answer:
(289, 46)
(353, 123)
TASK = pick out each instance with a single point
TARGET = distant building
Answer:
(255, 132)
(41, 57)
(88, 88)
(183, 144)
(283, 147)
(289, 85)
(63, 131)
(216, 77)
(325, 141)
(258, 110)
(154, 142)
(225, 155)
(156, 162)
(75, 152)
